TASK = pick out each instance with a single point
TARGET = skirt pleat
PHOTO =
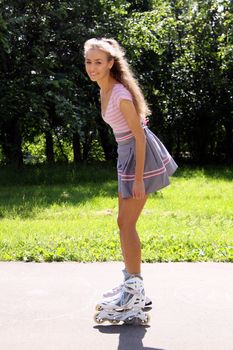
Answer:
(159, 165)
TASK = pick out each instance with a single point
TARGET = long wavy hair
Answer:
(121, 71)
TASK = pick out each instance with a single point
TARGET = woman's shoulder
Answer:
(121, 91)
(120, 87)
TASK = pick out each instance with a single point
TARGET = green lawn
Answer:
(61, 213)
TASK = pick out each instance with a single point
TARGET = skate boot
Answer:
(116, 290)
(126, 306)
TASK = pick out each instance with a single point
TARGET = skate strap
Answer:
(131, 290)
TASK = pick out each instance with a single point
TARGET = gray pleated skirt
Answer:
(159, 164)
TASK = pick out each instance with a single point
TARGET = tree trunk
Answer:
(228, 141)
(49, 147)
(109, 147)
(12, 143)
(77, 148)
(178, 145)
(86, 149)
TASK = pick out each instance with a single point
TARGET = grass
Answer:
(66, 213)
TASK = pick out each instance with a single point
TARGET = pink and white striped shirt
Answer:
(113, 115)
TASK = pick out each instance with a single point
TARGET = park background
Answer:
(58, 186)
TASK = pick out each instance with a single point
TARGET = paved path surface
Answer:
(50, 306)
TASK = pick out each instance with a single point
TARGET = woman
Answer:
(143, 164)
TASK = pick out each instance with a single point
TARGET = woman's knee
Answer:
(119, 222)
(125, 223)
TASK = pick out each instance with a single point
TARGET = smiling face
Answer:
(98, 64)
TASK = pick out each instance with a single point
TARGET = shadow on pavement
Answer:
(130, 337)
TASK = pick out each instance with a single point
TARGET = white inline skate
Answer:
(117, 290)
(126, 306)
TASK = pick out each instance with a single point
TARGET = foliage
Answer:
(188, 81)
(181, 52)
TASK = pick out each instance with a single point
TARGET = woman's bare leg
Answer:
(129, 211)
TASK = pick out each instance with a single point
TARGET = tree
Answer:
(181, 52)
(180, 63)
(44, 87)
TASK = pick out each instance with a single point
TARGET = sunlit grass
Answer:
(63, 214)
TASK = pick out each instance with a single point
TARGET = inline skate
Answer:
(126, 306)
(117, 290)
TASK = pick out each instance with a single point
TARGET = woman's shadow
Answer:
(130, 336)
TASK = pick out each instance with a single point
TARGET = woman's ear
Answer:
(111, 63)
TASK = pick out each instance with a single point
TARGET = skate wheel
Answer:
(146, 321)
(98, 319)
(114, 321)
(98, 308)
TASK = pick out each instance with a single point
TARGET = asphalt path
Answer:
(50, 306)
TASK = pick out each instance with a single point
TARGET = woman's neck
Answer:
(107, 85)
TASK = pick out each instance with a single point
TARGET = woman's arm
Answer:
(134, 122)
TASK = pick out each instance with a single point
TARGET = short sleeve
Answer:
(121, 94)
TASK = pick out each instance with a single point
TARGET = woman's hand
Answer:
(138, 189)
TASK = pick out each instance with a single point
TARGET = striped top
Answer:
(113, 115)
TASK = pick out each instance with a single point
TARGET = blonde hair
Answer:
(121, 71)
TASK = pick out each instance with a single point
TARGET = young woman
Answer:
(143, 166)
